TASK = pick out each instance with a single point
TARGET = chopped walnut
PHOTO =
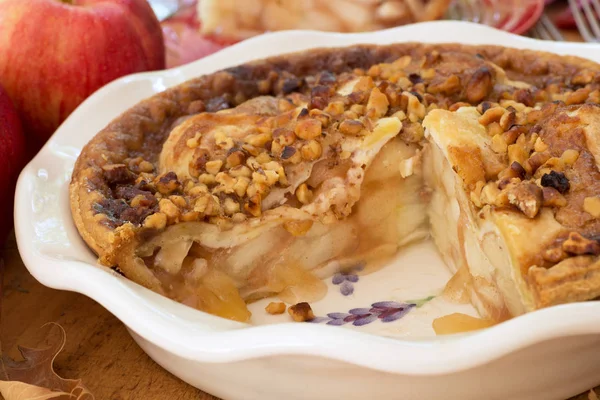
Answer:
(235, 158)
(207, 204)
(274, 308)
(577, 244)
(308, 129)
(491, 115)
(288, 152)
(240, 170)
(253, 205)
(569, 157)
(507, 120)
(263, 158)
(311, 150)
(412, 132)
(259, 140)
(197, 190)
(553, 198)
(230, 206)
(527, 197)
(444, 85)
(514, 170)
(301, 312)
(284, 136)
(145, 166)
(489, 193)
(167, 183)
(494, 129)
(535, 161)
(213, 167)
(540, 146)
(168, 208)
(378, 104)
(190, 216)
(577, 97)
(223, 141)
(241, 185)
(156, 221)
(198, 163)
(414, 109)
(480, 85)
(499, 145)
(555, 163)
(591, 205)
(226, 183)
(517, 153)
(352, 127)
(323, 117)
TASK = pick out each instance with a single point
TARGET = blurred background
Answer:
(196, 28)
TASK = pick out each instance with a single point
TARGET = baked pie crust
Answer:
(262, 179)
(240, 19)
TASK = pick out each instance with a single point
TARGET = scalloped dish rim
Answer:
(192, 334)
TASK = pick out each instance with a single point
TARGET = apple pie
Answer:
(263, 179)
(240, 19)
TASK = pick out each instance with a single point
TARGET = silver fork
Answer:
(545, 29)
(467, 10)
(587, 19)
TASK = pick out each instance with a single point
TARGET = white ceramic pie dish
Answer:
(548, 354)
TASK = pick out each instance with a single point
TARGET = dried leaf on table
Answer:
(590, 395)
(34, 376)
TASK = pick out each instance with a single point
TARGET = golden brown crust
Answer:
(119, 195)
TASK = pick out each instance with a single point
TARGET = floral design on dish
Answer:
(346, 279)
(385, 311)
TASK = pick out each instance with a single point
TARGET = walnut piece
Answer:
(553, 198)
(301, 312)
(156, 221)
(577, 244)
(480, 85)
(275, 308)
(591, 205)
(527, 197)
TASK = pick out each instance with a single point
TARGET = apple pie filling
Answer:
(296, 238)
(283, 172)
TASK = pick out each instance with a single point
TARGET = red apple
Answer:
(12, 151)
(55, 53)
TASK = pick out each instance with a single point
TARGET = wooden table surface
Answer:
(98, 348)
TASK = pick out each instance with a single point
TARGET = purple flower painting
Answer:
(385, 311)
(346, 279)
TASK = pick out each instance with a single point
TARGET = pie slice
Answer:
(514, 209)
(265, 178)
(240, 19)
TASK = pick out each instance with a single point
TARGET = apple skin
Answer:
(54, 54)
(12, 149)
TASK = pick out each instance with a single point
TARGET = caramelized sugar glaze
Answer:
(262, 179)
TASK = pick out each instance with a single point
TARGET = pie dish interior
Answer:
(261, 179)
